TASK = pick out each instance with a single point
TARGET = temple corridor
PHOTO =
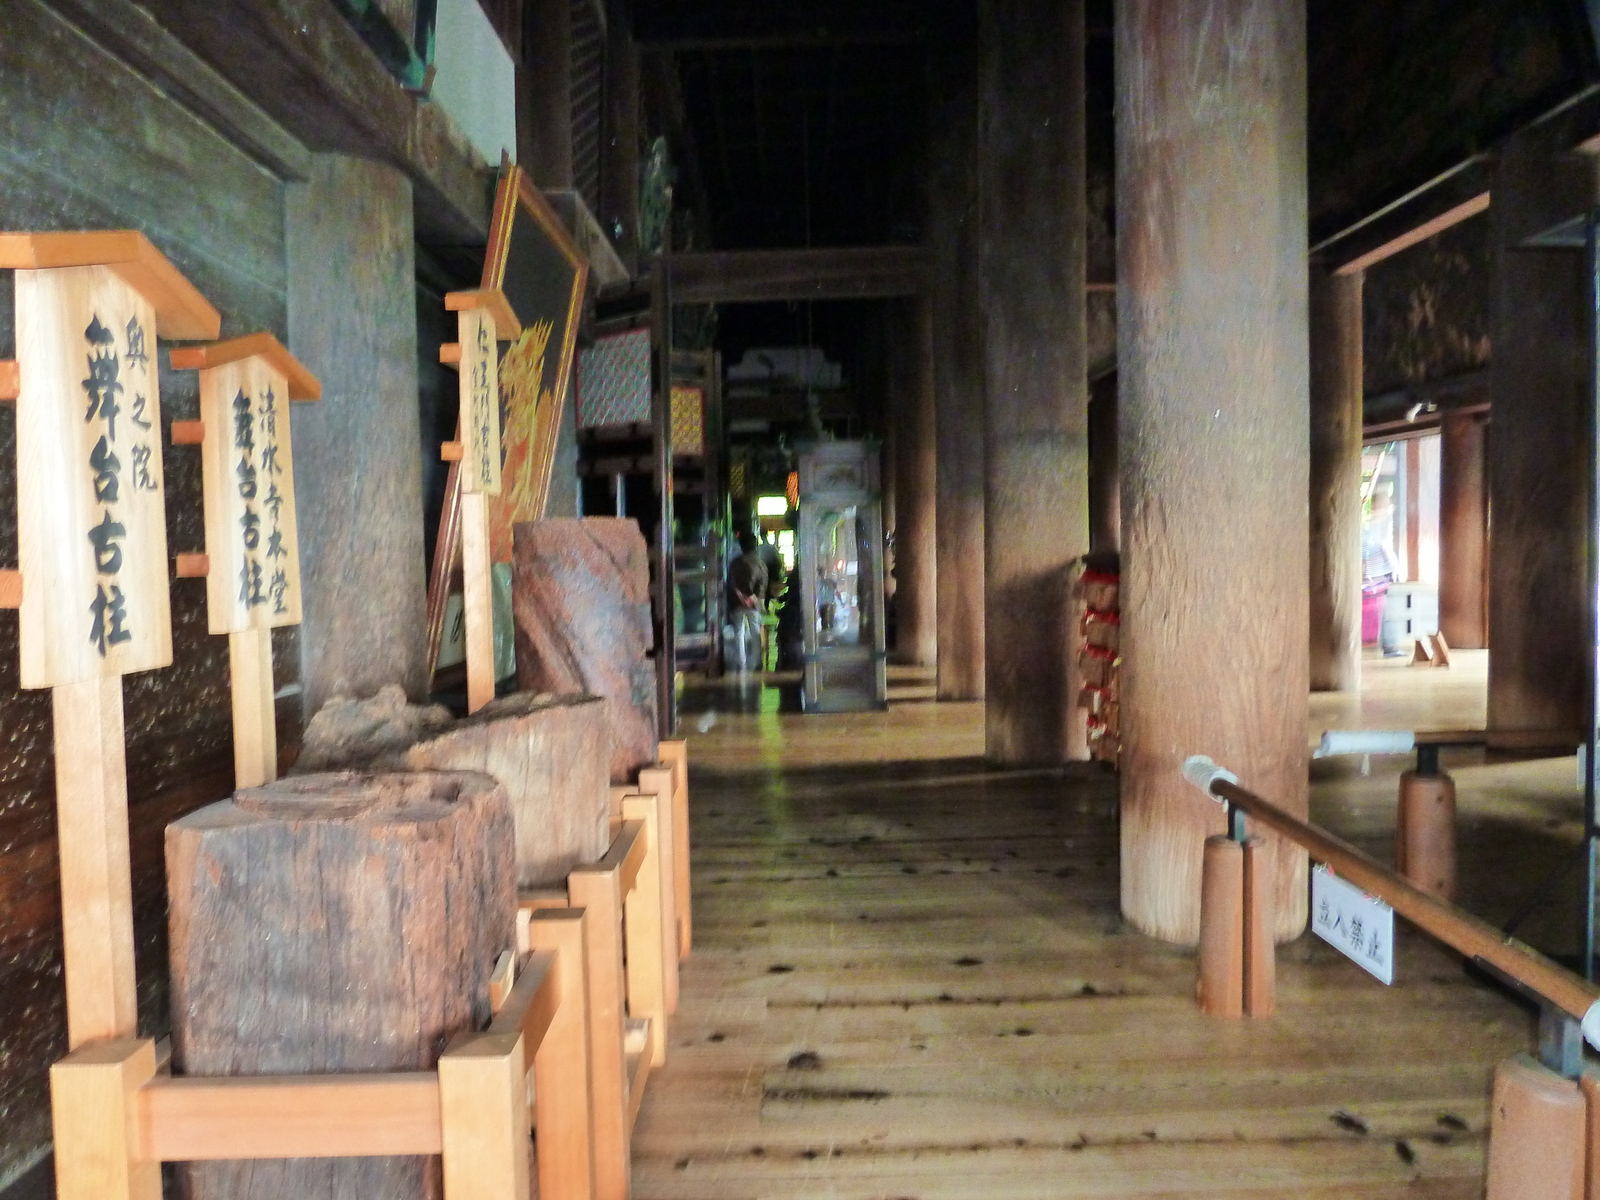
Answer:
(911, 979)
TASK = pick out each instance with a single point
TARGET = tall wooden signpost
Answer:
(252, 559)
(485, 318)
(92, 552)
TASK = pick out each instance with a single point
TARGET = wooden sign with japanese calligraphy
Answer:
(252, 556)
(92, 548)
(480, 403)
(254, 576)
(92, 523)
(475, 476)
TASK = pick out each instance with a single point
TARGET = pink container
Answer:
(1372, 616)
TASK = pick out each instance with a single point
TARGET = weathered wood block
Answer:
(552, 754)
(335, 923)
(581, 601)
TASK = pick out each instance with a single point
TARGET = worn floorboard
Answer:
(911, 979)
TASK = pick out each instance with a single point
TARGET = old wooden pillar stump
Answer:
(552, 756)
(1537, 1134)
(335, 923)
(581, 600)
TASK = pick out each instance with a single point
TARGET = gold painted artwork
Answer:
(523, 400)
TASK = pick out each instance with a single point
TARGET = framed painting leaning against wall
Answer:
(534, 264)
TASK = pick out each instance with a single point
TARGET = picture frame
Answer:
(533, 268)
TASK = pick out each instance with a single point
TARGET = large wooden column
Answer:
(1539, 610)
(1036, 387)
(358, 458)
(619, 166)
(915, 548)
(1105, 488)
(547, 50)
(1212, 375)
(1336, 393)
(1463, 531)
(957, 366)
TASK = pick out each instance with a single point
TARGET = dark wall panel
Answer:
(86, 143)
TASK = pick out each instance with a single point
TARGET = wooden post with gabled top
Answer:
(251, 562)
(92, 585)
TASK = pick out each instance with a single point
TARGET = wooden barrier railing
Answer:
(1425, 814)
(1545, 1132)
(117, 1118)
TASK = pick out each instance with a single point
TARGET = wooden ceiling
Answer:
(807, 118)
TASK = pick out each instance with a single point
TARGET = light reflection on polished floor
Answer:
(911, 979)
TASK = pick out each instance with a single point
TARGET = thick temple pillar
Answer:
(547, 139)
(1212, 388)
(357, 453)
(1336, 393)
(1539, 607)
(1036, 445)
(1463, 531)
(957, 367)
(547, 51)
(619, 169)
(1105, 490)
(915, 469)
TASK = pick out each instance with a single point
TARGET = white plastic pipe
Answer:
(1591, 1025)
(1365, 741)
(1202, 772)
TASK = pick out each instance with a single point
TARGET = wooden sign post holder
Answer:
(94, 607)
(485, 320)
(252, 560)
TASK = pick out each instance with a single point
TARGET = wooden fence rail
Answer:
(1467, 934)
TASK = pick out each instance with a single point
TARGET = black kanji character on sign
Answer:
(279, 589)
(274, 500)
(275, 545)
(136, 353)
(138, 417)
(269, 460)
(143, 480)
(243, 423)
(269, 413)
(1355, 932)
(102, 385)
(247, 480)
(251, 524)
(110, 611)
(107, 554)
(105, 465)
(250, 584)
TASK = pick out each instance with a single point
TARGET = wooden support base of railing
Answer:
(1237, 961)
(1425, 832)
(1538, 1134)
(675, 754)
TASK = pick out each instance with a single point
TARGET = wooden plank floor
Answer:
(911, 979)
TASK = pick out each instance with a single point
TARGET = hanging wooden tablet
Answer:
(252, 558)
(92, 556)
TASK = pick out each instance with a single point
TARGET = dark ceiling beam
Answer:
(1446, 200)
(306, 67)
(800, 40)
(757, 276)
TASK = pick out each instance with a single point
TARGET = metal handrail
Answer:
(1455, 927)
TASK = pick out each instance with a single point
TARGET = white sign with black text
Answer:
(1359, 926)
